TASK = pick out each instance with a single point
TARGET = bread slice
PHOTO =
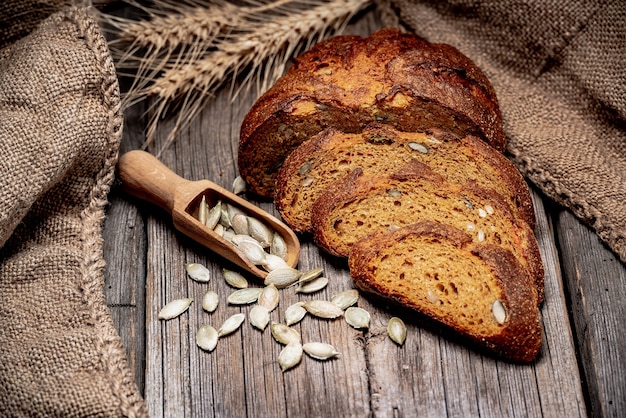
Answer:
(347, 82)
(380, 150)
(359, 205)
(478, 290)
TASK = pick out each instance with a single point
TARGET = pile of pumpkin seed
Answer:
(266, 300)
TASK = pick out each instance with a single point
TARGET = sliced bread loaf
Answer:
(348, 82)
(478, 290)
(381, 149)
(359, 205)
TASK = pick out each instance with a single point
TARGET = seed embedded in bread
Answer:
(439, 272)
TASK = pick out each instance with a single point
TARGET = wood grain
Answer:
(431, 375)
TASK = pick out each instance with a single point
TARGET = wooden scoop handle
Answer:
(147, 178)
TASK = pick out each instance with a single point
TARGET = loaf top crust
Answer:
(348, 82)
(359, 204)
(379, 150)
(438, 271)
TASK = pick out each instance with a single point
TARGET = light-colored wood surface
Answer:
(579, 372)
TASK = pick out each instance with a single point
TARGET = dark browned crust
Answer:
(357, 185)
(520, 336)
(438, 77)
(328, 141)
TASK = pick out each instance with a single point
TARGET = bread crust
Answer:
(330, 145)
(518, 339)
(349, 81)
(357, 186)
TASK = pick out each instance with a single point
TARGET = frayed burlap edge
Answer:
(109, 345)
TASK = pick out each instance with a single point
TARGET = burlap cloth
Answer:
(559, 70)
(60, 127)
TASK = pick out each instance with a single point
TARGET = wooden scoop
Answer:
(145, 177)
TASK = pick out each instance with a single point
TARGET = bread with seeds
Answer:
(347, 82)
(478, 290)
(358, 205)
(381, 149)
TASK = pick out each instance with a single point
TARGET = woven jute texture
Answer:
(558, 70)
(60, 127)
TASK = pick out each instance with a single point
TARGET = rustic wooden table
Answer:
(581, 370)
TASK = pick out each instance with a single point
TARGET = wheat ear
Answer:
(195, 80)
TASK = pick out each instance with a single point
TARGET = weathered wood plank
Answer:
(430, 376)
(596, 282)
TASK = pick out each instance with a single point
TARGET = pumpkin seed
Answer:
(278, 246)
(228, 235)
(231, 324)
(269, 297)
(206, 337)
(198, 272)
(259, 317)
(239, 223)
(253, 252)
(394, 192)
(312, 286)
(239, 185)
(202, 211)
(346, 298)
(310, 275)
(219, 229)
(238, 239)
(273, 262)
(320, 351)
(174, 308)
(294, 313)
(210, 300)
(244, 296)
(357, 318)
(290, 356)
(396, 330)
(260, 232)
(499, 312)
(416, 146)
(282, 277)
(213, 216)
(224, 216)
(284, 334)
(323, 309)
(235, 279)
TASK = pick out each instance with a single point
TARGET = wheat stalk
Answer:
(185, 52)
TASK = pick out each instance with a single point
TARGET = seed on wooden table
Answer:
(312, 286)
(260, 232)
(290, 356)
(214, 215)
(231, 324)
(396, 330)
(259, 317)
(282, 277)
(278, 246)
(269, 297)
(357, 318)
(210, 300)
(284, 334)
(244, 296)
(294, 313)
(346, 298)
(235, 279)
(239, 185)
(198, 272)
(323, 309)
(499, 313)
(320, 351)
(273, 262)
(206, 337)
(175, 308)
(310, 275)
(240, 224)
